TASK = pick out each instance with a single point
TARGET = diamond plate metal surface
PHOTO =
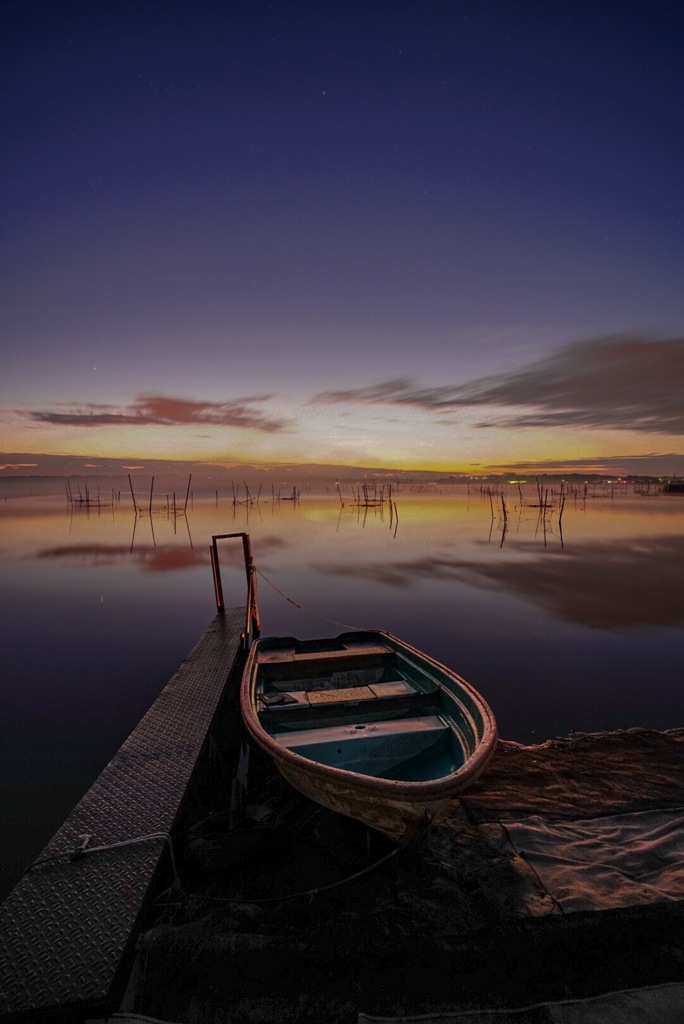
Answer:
(65, 927)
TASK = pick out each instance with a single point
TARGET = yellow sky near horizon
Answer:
(611, 403)
(363, 437)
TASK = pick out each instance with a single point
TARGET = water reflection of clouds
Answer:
(399, 574)
(270, 542)
(607, 584)
(159, 560)
(610, 584)
(152, 558)
(147, 558)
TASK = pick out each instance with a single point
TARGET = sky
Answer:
(394, 233)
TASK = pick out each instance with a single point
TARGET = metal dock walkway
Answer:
(68, 928)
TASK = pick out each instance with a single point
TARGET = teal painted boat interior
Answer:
(378, 713)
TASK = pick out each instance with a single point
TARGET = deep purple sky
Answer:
(247, 206)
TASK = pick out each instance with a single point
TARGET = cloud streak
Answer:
(649, 464)
(164, 410)
(619, 382)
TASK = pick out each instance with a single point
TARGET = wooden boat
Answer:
(366, 725)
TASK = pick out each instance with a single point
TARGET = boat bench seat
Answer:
(390, 696)
(283, 655)
(284, 665)
(371, 747)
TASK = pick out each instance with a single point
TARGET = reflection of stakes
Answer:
(130, 484)
(294, 497)
(378, 510)
(172, 510)
(504, 511)
(278, 497)
(560, 515)
(248, 503)
(87, 500)
(546, 508)
(248, 500)
(367, 495)
(541, 521)
(374, 500)
(541, 515)
(491, 509)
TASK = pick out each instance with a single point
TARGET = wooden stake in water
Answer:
(130, 484)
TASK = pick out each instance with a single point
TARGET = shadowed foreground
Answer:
(462, 917)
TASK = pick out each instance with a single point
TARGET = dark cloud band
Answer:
(168, 411)
(619, 382)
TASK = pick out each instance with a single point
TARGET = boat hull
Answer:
(396, 816)
(343, 749)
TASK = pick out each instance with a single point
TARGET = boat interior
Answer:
(359, 704)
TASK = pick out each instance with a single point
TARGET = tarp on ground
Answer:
(603, 863)
(660, 1004)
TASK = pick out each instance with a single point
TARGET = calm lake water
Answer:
(572, 622)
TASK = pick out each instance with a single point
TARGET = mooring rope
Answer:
(85, 849)
(318, 615)
(306, 892)
(418, 836)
